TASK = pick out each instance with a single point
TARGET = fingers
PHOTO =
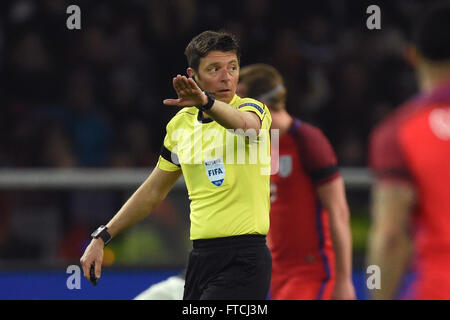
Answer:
(180, 84)
(98, 269)
(92, 255)
(172, 102)
(189, 93)
(85, 265)
(184, 85)
(177, 84)
(192, 84)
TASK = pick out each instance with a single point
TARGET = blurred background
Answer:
(82, 119)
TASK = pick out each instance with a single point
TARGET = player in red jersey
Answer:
(410, 156)
(309, 233)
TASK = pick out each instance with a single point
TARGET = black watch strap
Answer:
(102, 233)
(210, 102)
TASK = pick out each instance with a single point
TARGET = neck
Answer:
(285, 122)
(432, 75)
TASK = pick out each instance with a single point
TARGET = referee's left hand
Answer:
(189, 93)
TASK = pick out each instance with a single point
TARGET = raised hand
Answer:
(189, 93)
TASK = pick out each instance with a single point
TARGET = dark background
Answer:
(92, 98)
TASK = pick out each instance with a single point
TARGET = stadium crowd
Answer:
(93, 97)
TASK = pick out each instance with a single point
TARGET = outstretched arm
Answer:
(190, 94)
(138, 206)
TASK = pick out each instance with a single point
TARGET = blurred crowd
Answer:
(93, 97)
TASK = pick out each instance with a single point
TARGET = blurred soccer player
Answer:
(229, 201)
(309, 234)
(171, 288)
(410, 155)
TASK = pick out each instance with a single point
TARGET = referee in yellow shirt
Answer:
(220, 143)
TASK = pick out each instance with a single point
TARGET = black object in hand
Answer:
(93, 278)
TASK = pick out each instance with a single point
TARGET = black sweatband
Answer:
(210, 102)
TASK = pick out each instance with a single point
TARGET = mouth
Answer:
(223, 91)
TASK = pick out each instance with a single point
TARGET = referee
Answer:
(206, 141)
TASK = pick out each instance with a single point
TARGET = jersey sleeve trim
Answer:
(324, 174)
(254, 105)
(255, 108)
(169, 156)
(165, 165)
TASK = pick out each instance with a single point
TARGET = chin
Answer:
(225, 97)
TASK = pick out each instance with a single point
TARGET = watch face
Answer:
(97, 232)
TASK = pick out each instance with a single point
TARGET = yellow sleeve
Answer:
(165, 165)
(168, 160)
(267, 119)
(259, 108)
(254, 106)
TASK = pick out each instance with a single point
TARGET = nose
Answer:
(226, 75)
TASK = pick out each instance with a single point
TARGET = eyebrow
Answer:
(218, 63)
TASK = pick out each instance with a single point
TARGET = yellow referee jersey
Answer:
(227, 173)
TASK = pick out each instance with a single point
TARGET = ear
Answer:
(190, 72)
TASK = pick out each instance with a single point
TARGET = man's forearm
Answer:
(332, 196)
(144, 200)
(342, 243)
(391, 253)
(231, 118)
(390, 243)
(137, 207)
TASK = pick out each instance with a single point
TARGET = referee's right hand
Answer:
(93, 254)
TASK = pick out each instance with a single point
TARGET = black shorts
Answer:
(230, 268)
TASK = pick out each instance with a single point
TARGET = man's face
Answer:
(218, 73)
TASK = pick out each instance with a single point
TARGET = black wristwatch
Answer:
(210, 102)
(102, 233)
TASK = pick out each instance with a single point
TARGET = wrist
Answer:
(98, 242)
(208, 101)
(204, 99)
(343, 278)
(102, 234)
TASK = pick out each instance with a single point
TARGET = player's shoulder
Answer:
(240, 101)
(187, 112)
(308, 128)
(386, 130)
(182, 117)
(316, 152)
(308, 132)
(386, 151)
(313, 144)
(249, 102)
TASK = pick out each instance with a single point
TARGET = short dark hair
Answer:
(432, 34)
(208, 41)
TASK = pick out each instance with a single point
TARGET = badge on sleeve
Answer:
(285, 166)
(215, 171)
